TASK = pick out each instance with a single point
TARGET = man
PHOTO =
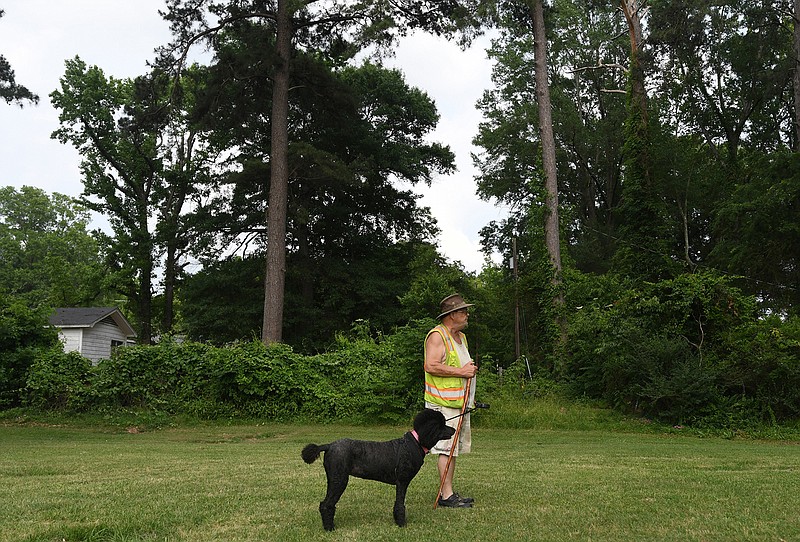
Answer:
(448, 366)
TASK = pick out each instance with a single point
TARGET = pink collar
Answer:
(416, 437)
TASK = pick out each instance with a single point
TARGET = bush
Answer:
(24, 335)
(683, 349)
(263, 381)
(58, 380)
(165, 376)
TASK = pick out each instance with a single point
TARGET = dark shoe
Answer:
(453, 501)
(469, 500)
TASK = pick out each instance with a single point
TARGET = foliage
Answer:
(58, 381)
(687, 352)
(222, 303)
(360, 378)
(24, 337)
(142, 162)
(681, 350)
(759, 230)
(354, 228)
(46, 255)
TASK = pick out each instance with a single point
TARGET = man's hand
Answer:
(469, 370)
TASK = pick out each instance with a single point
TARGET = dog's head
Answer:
(431, 428)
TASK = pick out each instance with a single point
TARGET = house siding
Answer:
(98, 339)
(72, 339)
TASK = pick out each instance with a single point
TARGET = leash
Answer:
(473, 409)
(454, 443)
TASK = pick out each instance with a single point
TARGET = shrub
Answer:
(58, 380)
(683, 349)
(165, 376)
(24, 335)
(265, 381)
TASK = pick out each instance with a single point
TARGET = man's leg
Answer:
(447, 487)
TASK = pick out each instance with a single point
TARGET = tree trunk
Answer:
(272, 329)
(631, 9)
(551, 226)
(170, 275)
(796, 79)
(146, 300)
(548, 140)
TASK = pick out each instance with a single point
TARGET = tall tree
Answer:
(119, 168)
(139, 167)
(564, 113)
(357, 134)
(647, 235)
(551, 225)
(325, 26)
(726, 67)
(796, 72)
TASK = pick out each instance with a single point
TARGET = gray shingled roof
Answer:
(88, 317)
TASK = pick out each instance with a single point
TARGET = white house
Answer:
(94, 332)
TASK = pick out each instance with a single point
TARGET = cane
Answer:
(454, 443)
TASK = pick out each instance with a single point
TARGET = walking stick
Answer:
(455, 442)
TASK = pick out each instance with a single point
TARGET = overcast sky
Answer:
(119, 36)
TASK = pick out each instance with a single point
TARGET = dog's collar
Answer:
(416, 437)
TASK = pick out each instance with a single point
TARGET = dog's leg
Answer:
(337, 483)
(400, 504)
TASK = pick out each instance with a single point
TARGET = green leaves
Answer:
(48, 257)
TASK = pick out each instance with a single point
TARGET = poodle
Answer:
(393, 462)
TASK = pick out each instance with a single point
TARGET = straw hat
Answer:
(452, 303)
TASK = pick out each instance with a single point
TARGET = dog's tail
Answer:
(311, 452)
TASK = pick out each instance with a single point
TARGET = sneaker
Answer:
(469, 500)
(453, 501)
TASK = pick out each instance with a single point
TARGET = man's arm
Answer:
(435, 355)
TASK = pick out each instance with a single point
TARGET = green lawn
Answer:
(248, 483)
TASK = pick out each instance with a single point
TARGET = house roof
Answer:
(79, 317)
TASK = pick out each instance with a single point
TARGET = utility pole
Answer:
(517, 351)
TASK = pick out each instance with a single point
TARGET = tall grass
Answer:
(247, 482)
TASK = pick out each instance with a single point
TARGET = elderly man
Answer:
(448, 366)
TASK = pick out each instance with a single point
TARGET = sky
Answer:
(119, 36)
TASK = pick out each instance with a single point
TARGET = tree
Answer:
(551, 225)
(47, 257)
(796, 72)
(759, 237)
(520, 176)
(357, 134)
(645, 231)
(327, 27)
(141, 165)
(10, 90)
(726, 68)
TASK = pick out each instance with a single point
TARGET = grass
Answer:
(247, 482)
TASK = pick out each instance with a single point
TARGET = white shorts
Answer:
(465, 437)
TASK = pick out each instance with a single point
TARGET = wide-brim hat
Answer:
(452, 303)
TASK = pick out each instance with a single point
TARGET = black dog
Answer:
(393, 462)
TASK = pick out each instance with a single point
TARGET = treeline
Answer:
(678, 160)
(689, 351)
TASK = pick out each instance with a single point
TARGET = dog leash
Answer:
(475, 407)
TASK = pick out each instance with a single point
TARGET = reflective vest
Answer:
(446, 391)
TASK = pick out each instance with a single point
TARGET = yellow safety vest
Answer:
(446, 391)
